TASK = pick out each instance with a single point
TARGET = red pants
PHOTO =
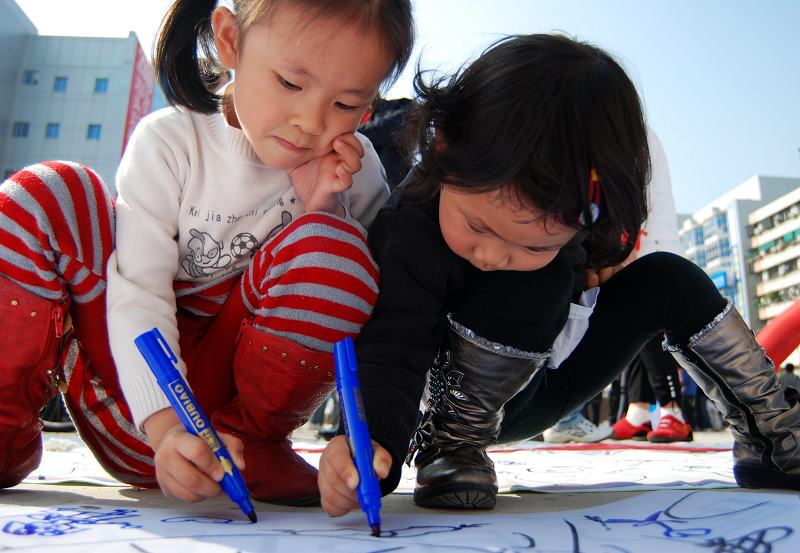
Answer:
(56, 234)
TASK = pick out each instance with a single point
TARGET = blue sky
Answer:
(720, 79)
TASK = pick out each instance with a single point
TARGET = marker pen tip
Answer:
(376, 530)
(252, 516)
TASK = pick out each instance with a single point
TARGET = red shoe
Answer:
(669, 430)
(623, 430)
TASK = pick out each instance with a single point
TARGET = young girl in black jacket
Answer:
(533, 166)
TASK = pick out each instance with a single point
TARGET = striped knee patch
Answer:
(56, 230)
(314, 283)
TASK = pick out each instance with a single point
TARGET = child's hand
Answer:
(186, 468)
(338, 477)
(320, 181)
(598, 277)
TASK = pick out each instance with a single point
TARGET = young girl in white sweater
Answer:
(238, 231)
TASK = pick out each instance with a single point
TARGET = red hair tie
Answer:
(594, 199)
(365, 117)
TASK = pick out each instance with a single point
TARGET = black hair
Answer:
(531, 117)
(185, 57)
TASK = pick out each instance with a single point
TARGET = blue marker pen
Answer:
(159, 356)
(355, 423)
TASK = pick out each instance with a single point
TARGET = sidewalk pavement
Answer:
(128, 497)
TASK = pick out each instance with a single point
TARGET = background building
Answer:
(69, 98)
(15, 28)
(717, 239)
(775, 254)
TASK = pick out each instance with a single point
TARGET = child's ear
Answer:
(226, 36)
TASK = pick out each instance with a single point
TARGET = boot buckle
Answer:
(423, 438)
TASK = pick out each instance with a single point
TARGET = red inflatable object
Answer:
(781, 335)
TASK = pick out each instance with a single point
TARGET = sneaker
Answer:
(670, 429)
(623, 430)
(580, 430)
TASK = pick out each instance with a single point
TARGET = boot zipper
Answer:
(58, 321)
(241, 331)
(744, 410)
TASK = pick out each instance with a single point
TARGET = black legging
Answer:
(653, 376)
(658, 293)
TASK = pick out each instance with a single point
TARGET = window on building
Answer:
(52, 130)
(712, 253)
(101, 85)
(21, 129)
(721, 222)
(725, 247)
(60, 84)
(30, 77)
(93, 132)
(697, 235)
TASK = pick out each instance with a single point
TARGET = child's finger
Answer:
(336, 470)
(604, 274)
(336, 502)
(335, 497)
(181, 479)
(235, 447)
(350, 156)
(172, 488)
(352, 141)
(207, 471)
(345, 179)
(382, 461)
(341, 463)
(592, 281)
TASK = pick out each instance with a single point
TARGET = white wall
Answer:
(14, 27)
(82, 61)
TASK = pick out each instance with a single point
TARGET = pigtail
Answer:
(183, 76)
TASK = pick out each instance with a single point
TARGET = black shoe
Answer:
(55, 417)
(459, 478)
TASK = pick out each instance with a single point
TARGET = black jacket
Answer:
(421, 281)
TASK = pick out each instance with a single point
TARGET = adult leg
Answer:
(313, 284)
(636, 422)
(662, 374)
(575, 427)
(56, 233)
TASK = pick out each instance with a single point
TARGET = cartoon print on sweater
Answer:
(205, 255)
(243, 244)
(286, 218)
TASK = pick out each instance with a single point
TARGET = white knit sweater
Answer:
(192, 198)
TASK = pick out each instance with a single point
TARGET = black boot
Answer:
(470, 381)
(728, 364)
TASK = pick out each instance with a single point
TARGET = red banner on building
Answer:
(141, 93)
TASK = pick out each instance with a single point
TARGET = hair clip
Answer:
(365, 118)
(594, 199)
